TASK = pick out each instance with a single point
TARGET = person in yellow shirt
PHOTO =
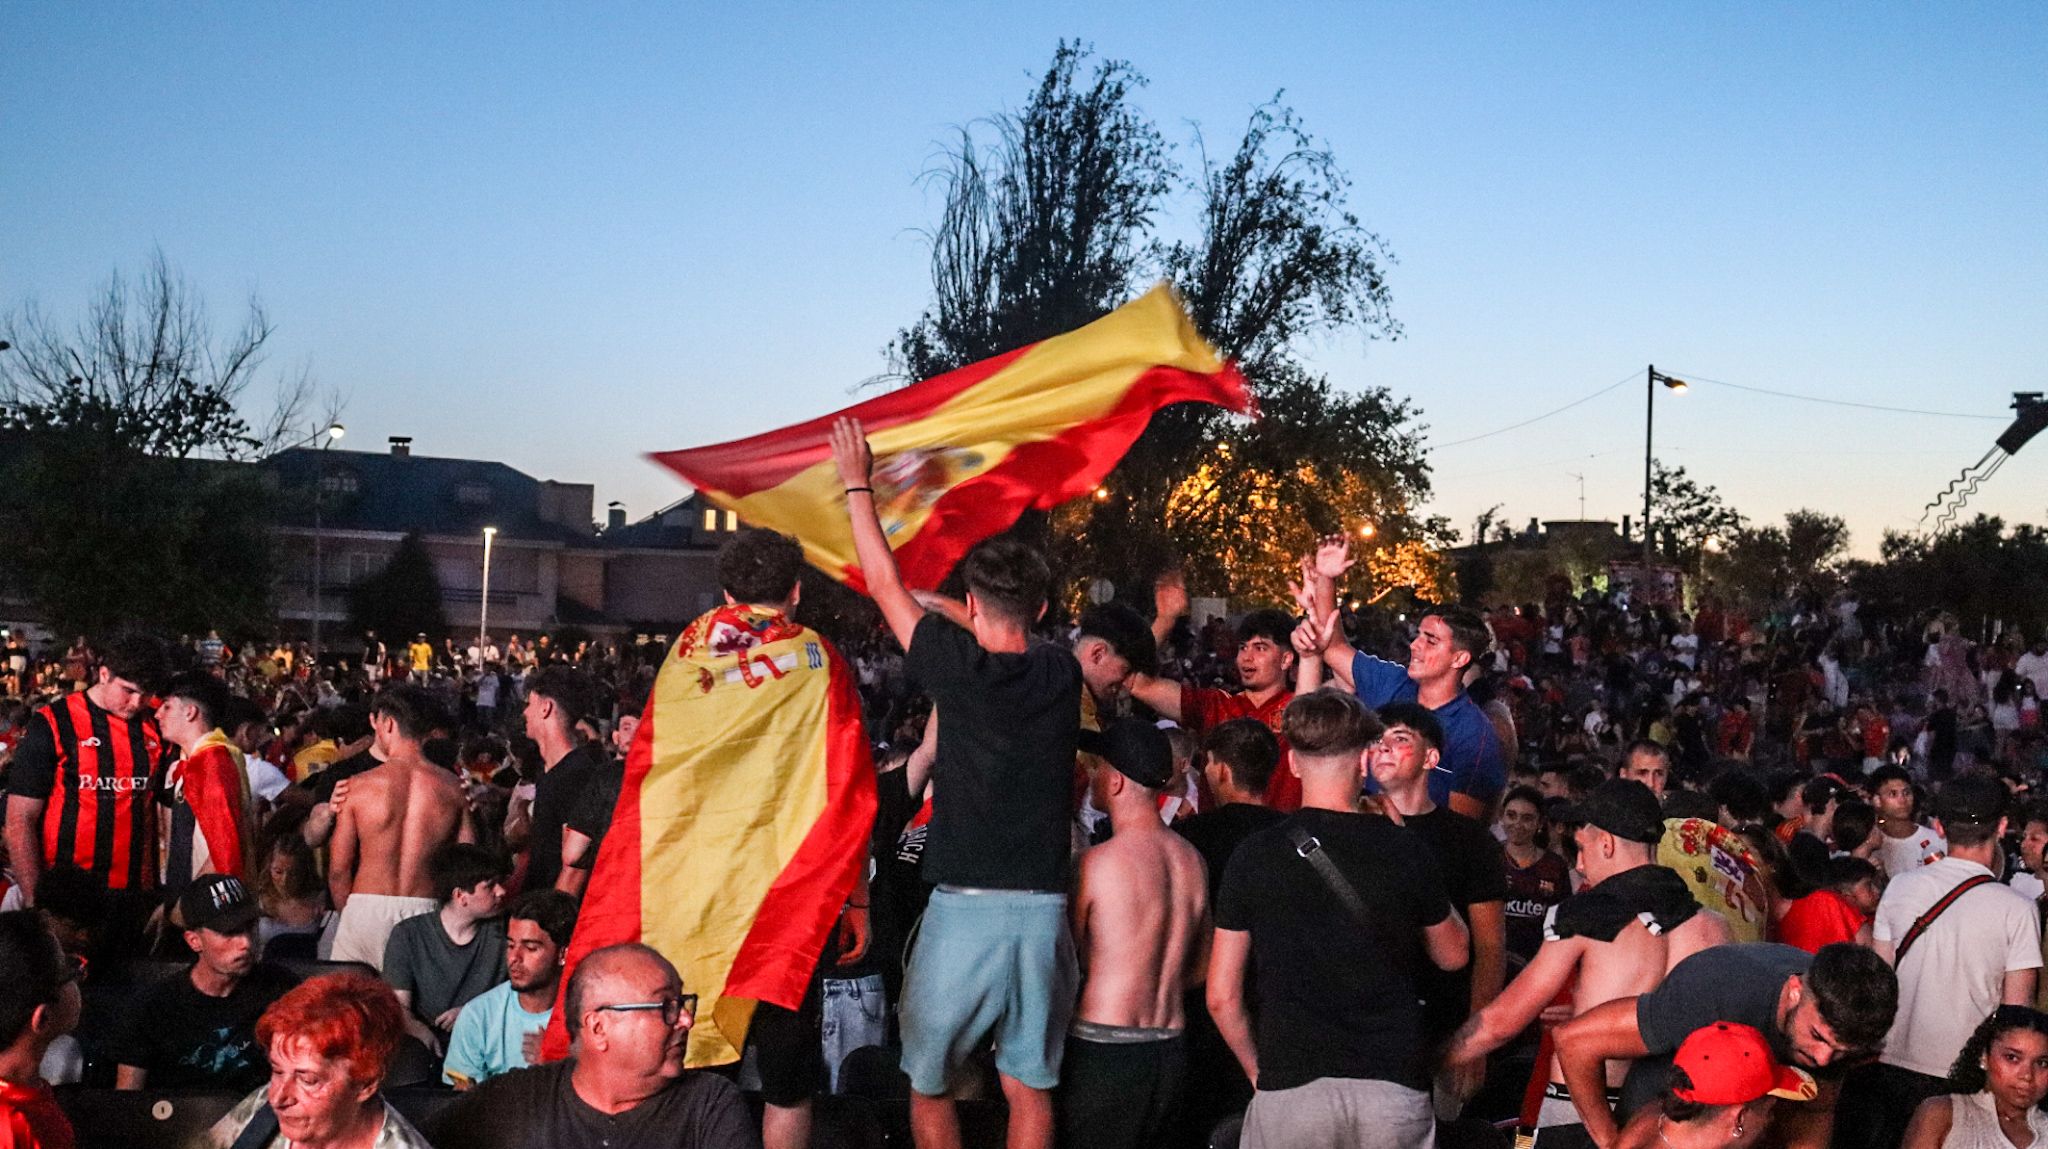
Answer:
(422, 655)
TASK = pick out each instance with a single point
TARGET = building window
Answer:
(338, 483)
(710, 518)
(732, 520)
(473, 494)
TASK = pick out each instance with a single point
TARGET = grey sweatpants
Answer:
(1340, 1113)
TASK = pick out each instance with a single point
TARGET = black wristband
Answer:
(851, 490)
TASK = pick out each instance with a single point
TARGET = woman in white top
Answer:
(1999, 1078)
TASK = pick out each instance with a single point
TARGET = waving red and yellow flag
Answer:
(741, 824)
(958, 457)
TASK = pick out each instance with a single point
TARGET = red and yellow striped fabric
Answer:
(741, 824)
(958, 457)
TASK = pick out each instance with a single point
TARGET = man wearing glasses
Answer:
(623, 1085)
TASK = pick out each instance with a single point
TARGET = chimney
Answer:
(1625, 525)
(401, 445)
(614, 515)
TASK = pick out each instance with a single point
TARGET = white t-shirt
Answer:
(1905, 855)
(1954, 975)
(266, 781)
(2028, 885)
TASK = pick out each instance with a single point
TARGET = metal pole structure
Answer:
(319, 494)
(483, 610)
(1649, 423)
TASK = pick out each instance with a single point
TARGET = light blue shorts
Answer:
(995, 964)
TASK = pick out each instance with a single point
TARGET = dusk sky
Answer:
(563, 236)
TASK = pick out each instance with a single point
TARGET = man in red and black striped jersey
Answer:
(81, 787)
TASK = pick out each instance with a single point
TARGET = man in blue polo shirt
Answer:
(1473, 771)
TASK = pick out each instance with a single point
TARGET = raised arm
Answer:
(1169, 604)
(1332, 561)
(856, 462)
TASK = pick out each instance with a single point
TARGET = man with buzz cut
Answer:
(1331, 908)
(994, 955)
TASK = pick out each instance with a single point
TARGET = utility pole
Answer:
(1582, 494)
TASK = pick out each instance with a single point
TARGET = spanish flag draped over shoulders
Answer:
(741, 823)
(960, 456)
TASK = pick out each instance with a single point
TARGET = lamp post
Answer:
(332, 433)
(483, 609)
(1649, 422)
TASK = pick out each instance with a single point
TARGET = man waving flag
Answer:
(958, 457)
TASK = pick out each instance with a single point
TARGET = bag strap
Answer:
(1306, 845)
(261, 1129)
(1934, 911)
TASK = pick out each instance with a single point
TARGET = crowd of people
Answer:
(1591, 871)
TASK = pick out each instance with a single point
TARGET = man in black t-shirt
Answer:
(994, 955)
(557, 698)
(624, 1088)
(583, 834)
(1335, 906)
(197, 1029)
(1820, 1012)
(1466, 854)
(1239, 757)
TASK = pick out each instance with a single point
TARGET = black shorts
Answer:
(1119, 1095)
(789, 1050)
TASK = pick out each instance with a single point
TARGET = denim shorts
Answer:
(998, 964)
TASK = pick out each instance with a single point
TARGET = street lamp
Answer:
(1677, 386)
(483, 610)
(327, 439)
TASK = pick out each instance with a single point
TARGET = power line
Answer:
(1691, 378)
(1539, 418)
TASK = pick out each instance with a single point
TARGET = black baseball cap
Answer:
(1977, 799)
(1138, 750)
(219, 903)
(1624, 808)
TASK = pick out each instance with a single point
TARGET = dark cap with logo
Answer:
(1138, 750)
(1624, 808)
(219, 903)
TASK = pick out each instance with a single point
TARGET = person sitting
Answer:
(292, 897)
(500, 1028)
(329, 1042)
(1838, 911)
(625, 1086)
(1996, 1086)
(38, 1004)
(439, 962)
(1723, 1087)
(198, 1029)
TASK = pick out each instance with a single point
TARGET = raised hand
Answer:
(1333, 556)
(851, 454)
(1170, 595)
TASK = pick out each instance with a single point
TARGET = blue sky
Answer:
(567, 235)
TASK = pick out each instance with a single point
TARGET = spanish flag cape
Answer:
(741, 824)
(960, 456)
(214, 783)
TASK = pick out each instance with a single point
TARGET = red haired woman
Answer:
(330, 1042)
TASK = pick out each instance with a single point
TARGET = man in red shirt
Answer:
(81, 784)
(1265, 670)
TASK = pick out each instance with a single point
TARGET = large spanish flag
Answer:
(958, 457)
(741, 824)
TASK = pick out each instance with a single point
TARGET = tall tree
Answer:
(116, 496)
(403, 599)
(1981, 570)
(1057, 222)
(1688, 514)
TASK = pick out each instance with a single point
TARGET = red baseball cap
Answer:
(1731, 1064)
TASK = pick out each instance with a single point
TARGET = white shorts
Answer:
(366, 925)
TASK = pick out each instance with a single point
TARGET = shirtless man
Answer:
(387, 823)
(1140, 911)
(1597, 944)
